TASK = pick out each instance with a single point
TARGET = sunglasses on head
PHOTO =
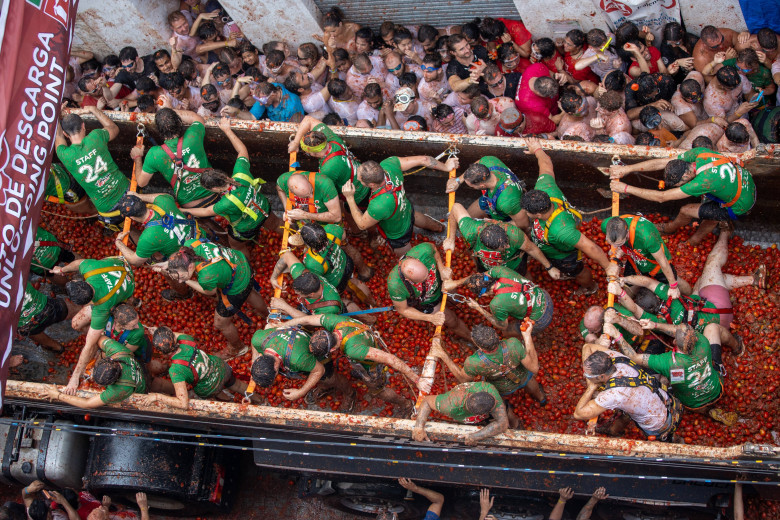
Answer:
(429, 69)
(713, 47)
(744, 71)
(482, 291)
(497, 83)
(220, 83)
(262, 99)
(396, 69)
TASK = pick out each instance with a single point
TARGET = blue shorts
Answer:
(430, 515)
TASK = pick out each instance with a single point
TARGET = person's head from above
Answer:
(481, 108)
(339, 90)
(544, 86)
(594, 316)
(394, 64)
(416, 124)
(646, 139)
(737, 134)
(543, 49)
(650, 117)
(625, 32)
(79, 292)
(280, 45)
(256, 75)
(333, 119)
(267, 94)
(728, 78)
(427, 36)
(713, 39)
(210, 97)
(164, 340)
(221, 75)
(307, 285)
(444, 115)
(465, 97)
(343, 61)
(162, 59)
(249, 54)
(685, 339)
(128, 58)
(182, 263)
(603, 139)
(674, 34)
(364, 40)
(208, 32)
(574, 41)
(146, 104)
(387, 32)
(372, 94)
(111, 66)
(231, 58)
(130, 205)
(480, 284)
(573, 103)
(322, 343)
(189, 70)
(362, 64)
(691, 91)
(145, 85)
(494, 237)
(470, 31)
(508, 57)
(432, 67)
(702, 142)
(174, 85)
(90, 67)
(404, 101)
(536, 203)
(512, 120)
(413, 270)
(615, 80)
(216, 181)
(178, 23)
(298, 82)
(480, 403)
(491, 29)
(677, 172)
(265, 368)
(443, 49)
(39, 510)
(647, 86)
(460, 48)
(494, 78)
(169, 124)
(610, 102)
(299, 185)
(596, 38)
(364, 123)
(91, 85)
(106, 372)
(314, 236)
(598, 367)
(274, 60)
(73, 126)
(237, 103)
(371, 174)
(402, 39)
(747, 62)
(409, 80)
(478, 176)
(333, 22)
(767, 40)
(485, 338)
(308, 55)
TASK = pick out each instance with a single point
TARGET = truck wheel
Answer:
(179, 479)
(371, 505)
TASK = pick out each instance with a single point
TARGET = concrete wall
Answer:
(543, 17)
(264, 20)
(720, 13)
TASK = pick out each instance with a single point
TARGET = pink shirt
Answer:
(535, 108)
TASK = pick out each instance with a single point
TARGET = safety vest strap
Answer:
(359, 329)
(503, 369)
(108, 269)
(561, 206)
(190, 362)
(720, 160)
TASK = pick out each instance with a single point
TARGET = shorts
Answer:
(719, 296)
(711, 210)
(55, 311)
(570, 266)
(705, 407)
(428, 308)
(236, 301)
(659, 276)
(403, 241)
(245, 236)
(522, 267)
(348, 270)
(544, 320)
(518, 387)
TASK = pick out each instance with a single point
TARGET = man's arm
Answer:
(81, 402)
(564, 495)
(587, 407)
(536, 253)
(498, 425)
(314, 320)
(304, 127)
(488, 316)
(437, 499)
(129, 255)
(182, 399)
(72, 267)
(202, 212)
(189, 117)
(651, 195)
(105, 121)
(666, 268)
(444, 271)
(143, 505)
(314, 377)
(363, 220)
(544, 161)
(285, 262)
(407, 163)
(196, 286)
(380, 356)
(641, 281)
(587, 509)
(620, 171)
(59, 138)
(238, 144)
(438, 351)
(86, 355)
(625, 348)
(592, 251)
(531, 359)
(29, 493)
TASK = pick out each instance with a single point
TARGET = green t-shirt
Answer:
(324, 191)
(693, 378)
(391, 209)
(761, 78)
(356, 347)
(91, 164)
(562, 231)
(59, 186)
(244, 206)
(679, 315)
(218, 274)
(647, 241)
(44, 255)
(505, 373)
(295, 359)
(104, 283)
(187, 187)
(337, 168)
(136, 337)
(332, 261)
(131, 381)
(329, 293)
(33, 303)
(211, 370)
(509, 257)
(630, 338)
(515, 304)
(453, 403)
(156, 238)
(511, 195)
(424, 293)
(719, 181)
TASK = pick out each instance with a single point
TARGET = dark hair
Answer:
(182, 259)
(737, 133)
(575, 138)
(420, 121)
(470, 31)
(454, 39)
(616, 230)
(649, 116)
(188, 70)
(401, 33)
(596, 38)
(480, 403)
(38, 510)
(90, 64)
(220, 70)
(372, 90)
(314, 236)
(145, 84)
(337, 87)
(476, 283)
(333, 17)
(246, 46)
(130, 205)
(172, 81)
(264, 370)
(602, 138)
(255, 74)
(333, 119)
(480, 107)
(386, 28)
(208, 90)
(546, 87)
(207, 29)
(274, 58)
(164, 340)
(598, 363)
(767, 38)
(124, 313)
(646, 139)
(371, 172)
(702, 142)
(309, 51)
(486, 338)
(749, 57)
(505, 51)
(494, 237)
(536, 201)
(72, 497)
(341, 54)
(79, 292)
(689, 88)
(227, 55)
(212, 178)
(673, 31)
(427, 32)
(626, 32)
(728, 76)
(441, 111)
(647, 300)
(491, 29)
(320, 343)
(169, 124)
(491, 72)
(615, 80)
(291, 84)
(476, 173)
(611, 100)
(546, 47)
(128, 53)
(570, 101)
(71, 124)
(577, 37)
(433, 60)
(112, 60)
(106, 372)
(314, 138)
(307, 283)
(674, 171)
(83, 83)
(146, 103)
(160, 54)
(362, 62)
(408, 79)
(710, 33)
(365, 33)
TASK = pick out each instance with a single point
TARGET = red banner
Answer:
(34, 49)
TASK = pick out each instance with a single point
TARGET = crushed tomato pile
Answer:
(751, 383)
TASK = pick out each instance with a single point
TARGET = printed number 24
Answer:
(91, 174)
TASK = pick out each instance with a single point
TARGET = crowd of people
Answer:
(711, 94)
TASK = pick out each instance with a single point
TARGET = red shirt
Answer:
(516, 30)
(652, 63)
(580, 75)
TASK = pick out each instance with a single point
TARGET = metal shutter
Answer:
(417, 12)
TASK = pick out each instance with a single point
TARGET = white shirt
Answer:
(366, 111)
(314, 103)
(347, 110)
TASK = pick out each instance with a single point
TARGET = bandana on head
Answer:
(313, 149)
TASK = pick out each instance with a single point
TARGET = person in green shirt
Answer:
(208, 376)
(638, 241)
(700, 171)
(496, 243)
(241, 202)
(124, 326)
(555, 226)
(689, 369)
(415, 288)
(760, 77)
(285, 350)
(311, 196)
(62, 188)
(356, 341)
(40, 312)
(467, 403)
(509, 365)
(88, 160)
(388, 205)
(592, 325)
(118, 371)
(106, 283)
(224, 273)
(181, 159)
(328, 256)
(502, 191)
(48, 252)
